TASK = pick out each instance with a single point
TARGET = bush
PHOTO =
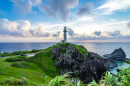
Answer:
(15, 59)
(2, 71)
(21, 65)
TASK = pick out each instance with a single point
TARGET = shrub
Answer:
(20, 65)
(61, 81)
(15, 59)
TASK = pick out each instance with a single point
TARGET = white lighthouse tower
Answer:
(65, 34)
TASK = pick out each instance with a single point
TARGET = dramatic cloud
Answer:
(97, 33)
(22, 6)
(113, 5)
(71, 32)
(128, 25)
(56, 34)
(85, 9)
(14, 28)
(59, 8)
(21, 28)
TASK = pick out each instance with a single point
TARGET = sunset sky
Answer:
(44, 20)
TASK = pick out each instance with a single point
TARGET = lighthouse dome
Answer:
(65, 30)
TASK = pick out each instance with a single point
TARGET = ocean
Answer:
(100, 48)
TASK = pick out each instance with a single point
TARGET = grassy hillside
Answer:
(29, 70)
(39, 70)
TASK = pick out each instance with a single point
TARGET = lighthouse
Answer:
(65, 34)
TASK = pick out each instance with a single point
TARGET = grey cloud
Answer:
(114, 33)
(110, 35)
(56, 34)
(22, 6)
(85, 9)
(39, 32)
(71, 32)
(128, 25)
(59, 8)
(97, 33)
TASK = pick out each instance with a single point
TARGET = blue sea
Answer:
(100, 48)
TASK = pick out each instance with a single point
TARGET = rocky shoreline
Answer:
(117, 54)
(85, 67)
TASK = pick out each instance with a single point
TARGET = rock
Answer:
(69, 59)
(109, 64)
(118, 70)
(117, 54)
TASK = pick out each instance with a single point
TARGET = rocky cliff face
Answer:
(117, 54)
(87, 66)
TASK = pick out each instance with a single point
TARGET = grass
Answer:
(33, 69)
(19, 52)
(81, 49)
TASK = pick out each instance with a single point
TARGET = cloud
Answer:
(71, 32)
(36, 2)
(21, 28)
(22, 6)
(113, 34)
(56, 34)
(39, 32)
(59, 8)
(110, 6)
(85, 9)
(128, 25)
(108, 35)
(14, 28)
(97, 33)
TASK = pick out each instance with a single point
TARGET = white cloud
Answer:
(14, 28)
(23, 28)
(110, 6)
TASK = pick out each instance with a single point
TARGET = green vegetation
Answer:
(21, 70)
(81, 49)
(16, 58)
(40, 70)
(122, 79)
(19, 52)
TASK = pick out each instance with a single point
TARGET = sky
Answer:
(44, 20)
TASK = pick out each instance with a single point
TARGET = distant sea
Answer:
(100, 48)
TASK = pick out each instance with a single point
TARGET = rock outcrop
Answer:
(86, 67)
(117, 54)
